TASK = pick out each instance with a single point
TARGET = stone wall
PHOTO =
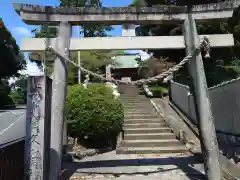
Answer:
(225, 104)
(12, 161)
(229, 145)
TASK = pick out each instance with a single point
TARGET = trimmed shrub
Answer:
(159, 91)
(93, 115)
(19, 96)
(5, 99)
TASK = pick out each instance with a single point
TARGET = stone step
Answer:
(127, 105)
(142, 112)
(133, 113)
(150, 150)
(137, 106)
(140, 104)
(149, 136)
(131, 94)
(144, 125)
(151, 143)
(130, 90)
(126, 87)
(140, 116)
(134, 98)
(146, 130)
(135, 102)
(139, 111)
(143, 120)
(129, 111)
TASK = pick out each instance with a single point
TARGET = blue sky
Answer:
(21, 30)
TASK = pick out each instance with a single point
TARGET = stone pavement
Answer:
(112, 166)
(12, 126)
(178, 121)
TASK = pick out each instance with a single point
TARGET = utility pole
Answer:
(79, 60)
(202, 103)
(59, 91)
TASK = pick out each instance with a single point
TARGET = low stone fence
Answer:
(229, 145)
(179, 122)
(225, 104)
(12, 161)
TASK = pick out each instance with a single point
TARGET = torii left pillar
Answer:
(59, 92)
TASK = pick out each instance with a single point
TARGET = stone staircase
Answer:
(145, 132)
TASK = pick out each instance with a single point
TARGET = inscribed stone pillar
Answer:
(38, 116)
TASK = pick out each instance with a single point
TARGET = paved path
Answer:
(110, 166)
(12, 125)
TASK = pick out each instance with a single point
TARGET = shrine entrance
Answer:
(66, 17)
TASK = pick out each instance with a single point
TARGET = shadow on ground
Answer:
(185, 164)
(7, 108)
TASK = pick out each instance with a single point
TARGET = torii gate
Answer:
(65, 17)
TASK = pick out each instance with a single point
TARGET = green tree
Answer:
(153, 66)
(215, 67)
(12, 60)
(19, 90)
(20, 83)
(44, 59)
(91, 60)
(88, 30)
(4, 93)
(172, 2)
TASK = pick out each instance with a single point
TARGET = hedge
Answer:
(93, 115)
(159, 91)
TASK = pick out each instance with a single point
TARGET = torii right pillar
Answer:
(203, 109)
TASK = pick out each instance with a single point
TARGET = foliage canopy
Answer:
(12, 61)
(215, 68)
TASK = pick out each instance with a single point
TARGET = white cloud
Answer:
(31, 70)
(22, 31)
(144, 55)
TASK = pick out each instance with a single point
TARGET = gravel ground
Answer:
(109, 166)
(170, 175)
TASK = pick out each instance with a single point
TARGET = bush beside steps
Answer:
(94, 116)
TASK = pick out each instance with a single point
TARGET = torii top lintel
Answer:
(35, 14)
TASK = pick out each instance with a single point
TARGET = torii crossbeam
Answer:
(35, 14)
